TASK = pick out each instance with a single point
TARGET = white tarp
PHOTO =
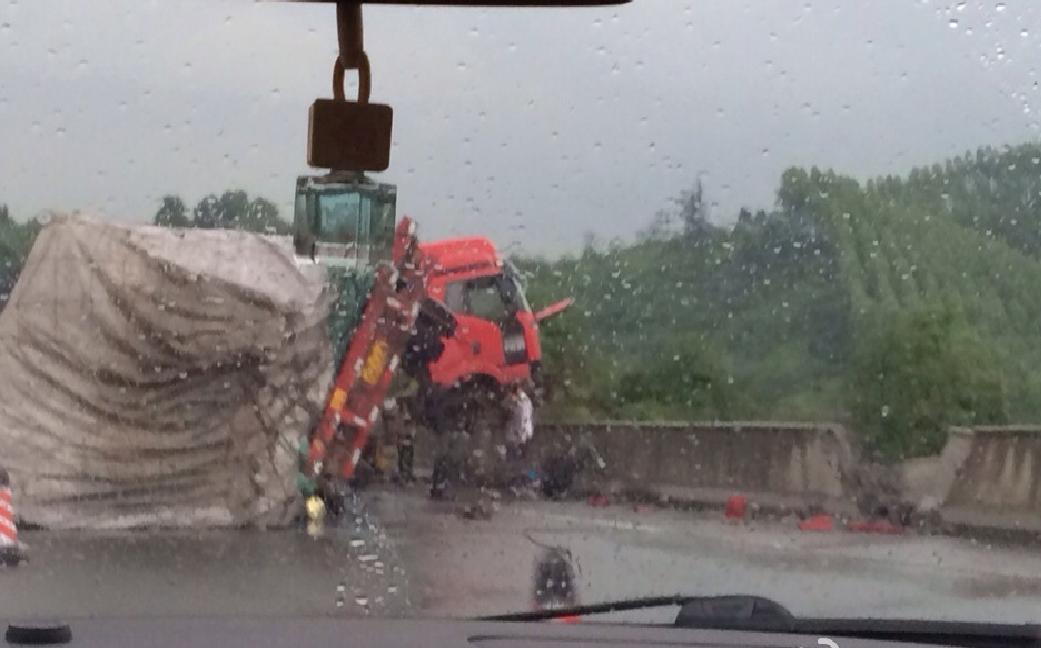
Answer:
(157, 376)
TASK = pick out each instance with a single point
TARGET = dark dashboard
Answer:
(380, 633)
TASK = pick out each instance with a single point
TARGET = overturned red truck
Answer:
(453, 313)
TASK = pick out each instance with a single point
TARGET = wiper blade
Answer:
(738, 612)
(760, 614)
(550, 614)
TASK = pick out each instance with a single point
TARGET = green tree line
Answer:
(233, 209)
(901, 306)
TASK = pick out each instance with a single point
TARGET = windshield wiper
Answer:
(549, 614)
(760, 614)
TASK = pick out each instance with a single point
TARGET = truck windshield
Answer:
(486, 299)
(493, 297)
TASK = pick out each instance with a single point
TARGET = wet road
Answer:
(400, 554)
(349, 569)
(462, 567)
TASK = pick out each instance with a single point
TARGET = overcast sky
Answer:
(532, 126)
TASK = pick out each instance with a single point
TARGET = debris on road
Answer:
(822, 522)
(736, 507)
(875, 526)
(482, 509)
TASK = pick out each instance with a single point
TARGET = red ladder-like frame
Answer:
(372, 357)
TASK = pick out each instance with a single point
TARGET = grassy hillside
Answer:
(900, 306)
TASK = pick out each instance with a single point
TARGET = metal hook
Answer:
(351, 37)
(364, 80)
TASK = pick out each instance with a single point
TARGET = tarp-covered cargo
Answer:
(156, 376)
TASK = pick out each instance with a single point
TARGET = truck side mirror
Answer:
(554, 309)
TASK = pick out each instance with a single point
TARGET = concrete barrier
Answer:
(1002, 470)
(985, 477)
(710, 460)
(703, 461)
(999, 483)
(926, 482)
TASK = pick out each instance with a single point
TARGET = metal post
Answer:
(350, 34)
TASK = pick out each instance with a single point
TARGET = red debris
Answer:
(599, 500)
(735, 507)
(875, 526)
(569, 619)
(823, 522)
(641, 508)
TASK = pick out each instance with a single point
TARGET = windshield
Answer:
(782, 261)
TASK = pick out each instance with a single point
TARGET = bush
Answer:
(915, 373)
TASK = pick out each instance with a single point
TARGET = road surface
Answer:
(400, 554)
(349, 569)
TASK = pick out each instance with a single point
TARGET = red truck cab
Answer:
(496, 339)
(344, 220)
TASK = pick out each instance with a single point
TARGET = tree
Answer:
(16, 239)
(590, 243)
(660, 229)
(916, 374)
(794, 193)
(232, 210)
(687, 381)
(205, 213)
(172, 213)
(901, 304)
(694, 211)
(262, 216)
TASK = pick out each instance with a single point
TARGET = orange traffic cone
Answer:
(10, 550)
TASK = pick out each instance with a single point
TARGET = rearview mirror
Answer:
(485, 3)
